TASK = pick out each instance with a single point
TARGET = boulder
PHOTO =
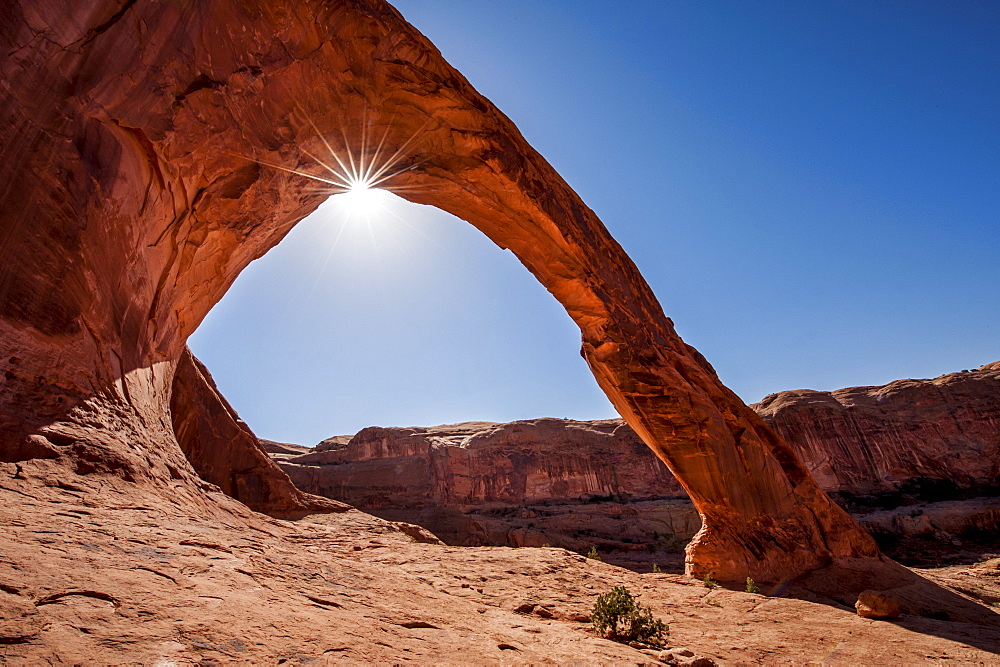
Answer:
(873, 604)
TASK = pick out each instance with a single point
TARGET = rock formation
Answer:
(580, 484)
(541, 482)
(145, 151)
(137, 181)
(225, 452)
(869, 440)
(483, 463)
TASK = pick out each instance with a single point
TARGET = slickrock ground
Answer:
(140, 140)
(99, 572)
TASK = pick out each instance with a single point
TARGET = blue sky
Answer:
(811, 189)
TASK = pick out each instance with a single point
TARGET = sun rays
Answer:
(358, 175)
(363, 220)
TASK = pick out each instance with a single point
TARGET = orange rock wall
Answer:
(867, 440)
(482, 463)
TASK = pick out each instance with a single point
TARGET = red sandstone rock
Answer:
(225, 452)
(481, 463)
(875, 439)
(541, 482)
(873, 604)
(286, 448)
(126, 212)
(475, 483)
(107, 573)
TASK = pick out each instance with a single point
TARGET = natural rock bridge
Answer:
(129, 209)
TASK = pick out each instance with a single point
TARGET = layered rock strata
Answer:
(871, 440)
(483, 463)
(581, 484)
(146, 148)
(540, 482)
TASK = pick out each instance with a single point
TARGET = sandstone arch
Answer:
(127, 214)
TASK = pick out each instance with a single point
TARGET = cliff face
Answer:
(867, 440)
(581, 484)
(904, 435)
(481, 463)
(571, 484)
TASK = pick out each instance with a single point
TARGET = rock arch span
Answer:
(127, 213)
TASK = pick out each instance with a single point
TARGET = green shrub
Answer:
(657, 569)
(616, 615)
(593, 554)
(751, 586)
(709, 582)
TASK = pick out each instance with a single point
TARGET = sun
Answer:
(361, 199)
(360, 177)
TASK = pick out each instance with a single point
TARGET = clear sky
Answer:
(812, 189)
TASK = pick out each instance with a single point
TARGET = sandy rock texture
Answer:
(136, 182)
(225, 452)
(145, 151)
(103, 572)
(868, 440)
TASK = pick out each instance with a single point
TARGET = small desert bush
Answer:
(752, 586)
(709, 582)
(616, 615)
(593, 554)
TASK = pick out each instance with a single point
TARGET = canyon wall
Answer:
(578, 484)
(908, 433)
(571, 484)
(482, 463)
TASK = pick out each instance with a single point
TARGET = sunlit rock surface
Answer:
(145, 148)
(479, 463)
(225, 452)
(571, 484)
(907, 434)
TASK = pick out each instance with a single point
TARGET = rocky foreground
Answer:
(97, 570)
(97, 573)
(152, 150)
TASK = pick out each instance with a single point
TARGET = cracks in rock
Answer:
(169, 265)
(124, 382)
(330, 603)
(94, 33)
(152, 157)
(156, 572)
(98, 595)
